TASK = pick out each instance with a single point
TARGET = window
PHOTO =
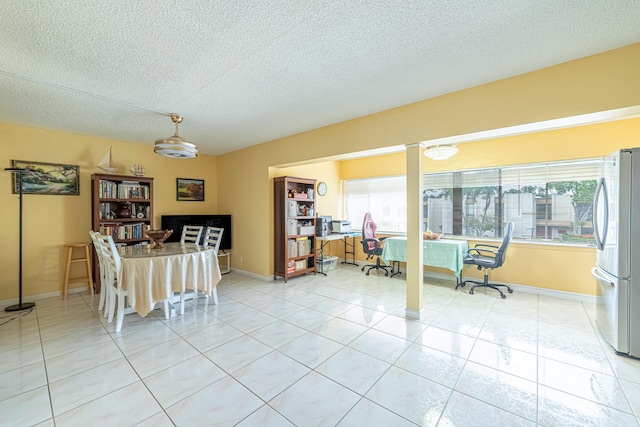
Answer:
(385, 198)
(544, 201)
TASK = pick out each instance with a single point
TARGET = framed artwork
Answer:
(189, 190)
(47, 178)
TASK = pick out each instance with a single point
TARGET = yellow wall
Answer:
(593, 84)
(240, 183)
(563, 144)
(51, 221)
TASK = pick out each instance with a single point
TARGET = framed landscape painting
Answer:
(46, 178)
(189, 190)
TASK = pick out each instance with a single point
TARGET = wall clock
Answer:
(322, 189)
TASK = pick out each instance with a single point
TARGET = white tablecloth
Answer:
(153, 275)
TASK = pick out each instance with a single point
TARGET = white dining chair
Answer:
(212, 238)
(113, 263)
(191, 234)
(104, 290)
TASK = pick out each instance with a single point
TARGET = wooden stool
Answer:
(86, 259)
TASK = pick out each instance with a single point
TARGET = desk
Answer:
(153, 275)
(442, 253)
(349, 248)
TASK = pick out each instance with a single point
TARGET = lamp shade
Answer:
(175, 146)
(440, 152)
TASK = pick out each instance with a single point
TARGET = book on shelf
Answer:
(133, 191)
(119, 231)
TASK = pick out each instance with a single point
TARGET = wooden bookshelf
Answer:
(295, 227)
(122, 207)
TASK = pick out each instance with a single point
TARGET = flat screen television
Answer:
(175, 222)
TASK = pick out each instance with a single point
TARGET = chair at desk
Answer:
(372, 245)
(191, 234)
(487, 257)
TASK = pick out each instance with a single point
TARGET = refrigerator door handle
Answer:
(602, 276)
(601, 191)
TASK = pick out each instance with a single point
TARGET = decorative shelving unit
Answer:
(295, 227)
(122, 207)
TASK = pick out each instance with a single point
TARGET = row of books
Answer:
(108, 210)
(123, 190)
(124, 232)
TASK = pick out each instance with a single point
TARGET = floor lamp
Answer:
(27, 305)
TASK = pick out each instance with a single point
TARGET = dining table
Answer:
(152, 275)
(443, 253)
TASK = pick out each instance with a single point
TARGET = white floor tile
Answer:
(158, 420)
(353, 369)
(557, 408)
(270, 374)
(311, 349)
(335, 350)
(314, 401)
(450, 342)
(223, 403)
(160, 357)
(278, 333)
(26, 409)
(505, 359)
(506, 391)
(71, 392)
(380, 345)
(265, 417)
(367, 413)
(465, 411)
(340, 330)
(238, 353)
(22, 379)
(421, 360)
(583, 383)
(632, 391)
(209, 336)
(21, 355)
(411, 396)
(173, 384)
(127, 406)
(68, 364)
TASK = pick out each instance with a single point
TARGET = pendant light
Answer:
(175, 146)
(440, 152)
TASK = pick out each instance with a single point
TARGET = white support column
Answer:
(414, 231)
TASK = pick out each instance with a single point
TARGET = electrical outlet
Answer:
(240, 259)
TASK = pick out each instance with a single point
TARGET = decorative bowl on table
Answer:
(158, 237)
(428, 235)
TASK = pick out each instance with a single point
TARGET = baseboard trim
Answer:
(413, 314)
(41, 296)
(252, 275)
(552, 293)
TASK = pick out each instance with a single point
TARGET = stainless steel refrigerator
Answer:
(616, 217)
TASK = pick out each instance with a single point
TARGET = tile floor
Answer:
(318, 351)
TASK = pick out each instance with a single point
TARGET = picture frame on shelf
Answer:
(189, 190)
(47, 178)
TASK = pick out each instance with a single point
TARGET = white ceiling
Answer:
(245, 72)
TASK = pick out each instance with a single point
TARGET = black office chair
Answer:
(487, 257)
(371, 245)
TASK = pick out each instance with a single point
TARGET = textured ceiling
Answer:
(245, 72)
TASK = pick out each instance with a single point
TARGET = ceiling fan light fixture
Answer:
(440, 152)
(175, 146)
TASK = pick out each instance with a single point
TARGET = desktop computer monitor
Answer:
(323, 225)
